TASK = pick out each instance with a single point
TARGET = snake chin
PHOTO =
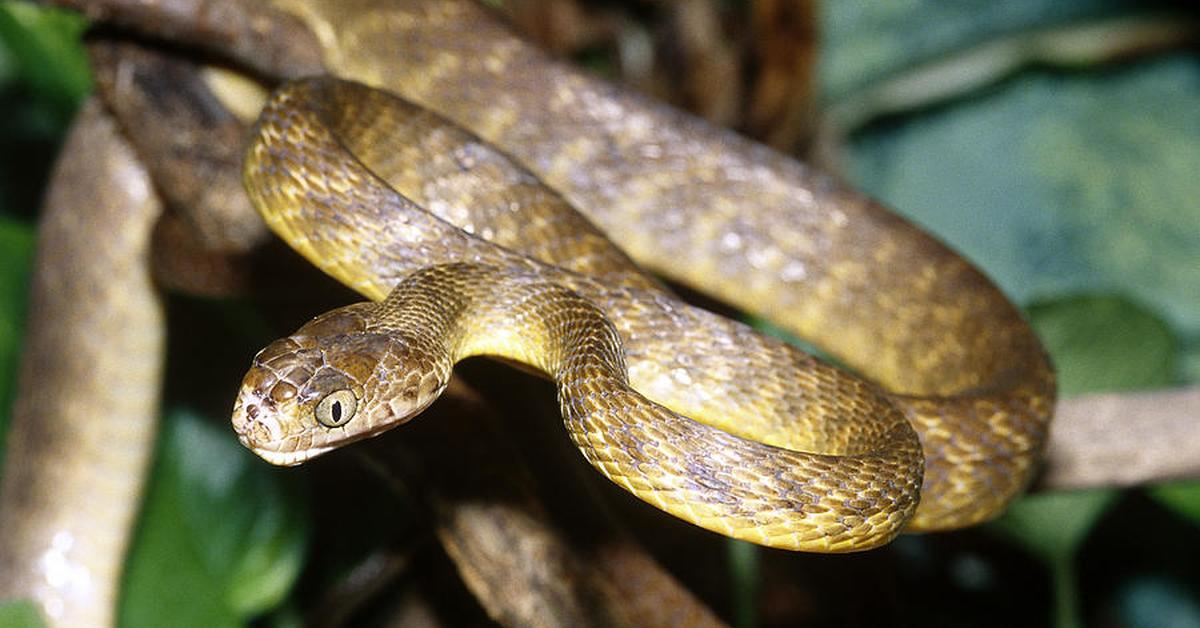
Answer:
(282, 458)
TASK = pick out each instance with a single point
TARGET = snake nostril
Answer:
(252, 411)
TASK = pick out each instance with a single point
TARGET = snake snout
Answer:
(268, 392)
(249, 412)
(257, 425)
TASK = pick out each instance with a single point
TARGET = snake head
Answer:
(335, 381)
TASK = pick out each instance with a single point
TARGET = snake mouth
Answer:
(258, 437)
(270, 440)
(283, 452)
(284, 457)
(264, 438)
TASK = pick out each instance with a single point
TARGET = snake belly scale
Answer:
(468, 254)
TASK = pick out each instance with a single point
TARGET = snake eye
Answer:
(337, 408)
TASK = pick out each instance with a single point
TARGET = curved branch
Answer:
(1124, 440)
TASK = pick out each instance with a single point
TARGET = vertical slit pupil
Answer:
(336, 411)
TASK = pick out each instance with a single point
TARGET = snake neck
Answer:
(457, 311)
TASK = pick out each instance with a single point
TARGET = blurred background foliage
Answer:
(1054, 142)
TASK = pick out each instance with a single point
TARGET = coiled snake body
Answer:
(946, 359)
(699, 415)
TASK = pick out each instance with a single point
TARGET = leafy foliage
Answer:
(222, 539)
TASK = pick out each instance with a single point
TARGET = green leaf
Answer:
(1054, 524)
(1105, 343)
(259, 545)
(1182, 497)
(43, 49)
(1061, 183)
(222, 539)
(20, 614)
(16, 260)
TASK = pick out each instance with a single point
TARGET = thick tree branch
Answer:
(1124, 440)
(263, 39)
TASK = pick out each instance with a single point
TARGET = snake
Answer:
(465, 253)
(926, 333)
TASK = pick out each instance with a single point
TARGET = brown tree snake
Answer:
(955, 393)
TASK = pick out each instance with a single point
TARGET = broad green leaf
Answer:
(20, 614)
(1053, 524)
(42, 48)
(259, 544)
(222, 539)
(1105, 343)
(1061, 184)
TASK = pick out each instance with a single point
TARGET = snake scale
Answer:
(699, 415)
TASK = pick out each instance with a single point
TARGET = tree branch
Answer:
(1124, 440)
